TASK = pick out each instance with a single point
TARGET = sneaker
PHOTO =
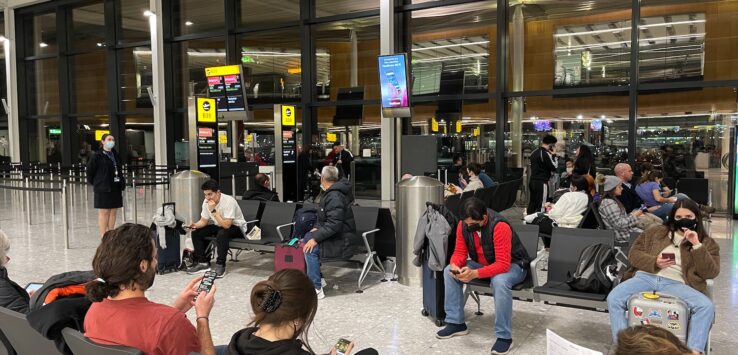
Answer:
(451, 330)
(323, 283)
(198, 268)
(319, 292)
(219, 271)
(502, 346)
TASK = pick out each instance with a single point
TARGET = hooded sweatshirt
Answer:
(245, 342)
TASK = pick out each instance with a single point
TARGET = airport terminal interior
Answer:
(399, 90)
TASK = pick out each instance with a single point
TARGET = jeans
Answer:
(312, 262)
(666, 207)
(221, 350)
(701, 308)
(501, 286)
(222, 237)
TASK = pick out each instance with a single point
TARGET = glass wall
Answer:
(4, 140)
(272, 65)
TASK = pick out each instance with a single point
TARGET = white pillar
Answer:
(387, 46)
(517, 38)
(157, 65)
(11, 80)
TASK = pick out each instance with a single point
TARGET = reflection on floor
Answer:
(386, 316)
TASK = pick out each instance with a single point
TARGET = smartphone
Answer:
(670, 256)
(342, 346)
(455, 272)
(644, 208)
(207, 282)
(33, 287)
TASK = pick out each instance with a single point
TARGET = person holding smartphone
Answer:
(613, 212)
(486, 248)
(676, 258)
(284, 307)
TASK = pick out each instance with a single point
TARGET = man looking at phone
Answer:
(542, 167)
(220, 217)
(497, 255)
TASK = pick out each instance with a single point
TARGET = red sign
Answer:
(230, 79)
(214, 80)
(287, 134)
(205, 132)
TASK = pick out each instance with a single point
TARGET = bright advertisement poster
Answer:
(393, 79)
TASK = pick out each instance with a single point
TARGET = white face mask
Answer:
(569, 170)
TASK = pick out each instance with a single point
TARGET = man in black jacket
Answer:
(342, 160)
(261, 191)
(542, 166)
(12, 296)
(629, 198)
(334, 229)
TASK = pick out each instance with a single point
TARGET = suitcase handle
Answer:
(174, 210)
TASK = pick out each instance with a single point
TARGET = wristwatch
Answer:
(213, 211)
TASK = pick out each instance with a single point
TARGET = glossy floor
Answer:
(386, 316)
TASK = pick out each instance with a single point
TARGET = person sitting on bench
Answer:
(12, 296)
(566, 213)
(261, 191)
(334, 228)
(676, 258)
(496, 254)
(220, 217)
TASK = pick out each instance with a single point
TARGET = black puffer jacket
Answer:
(260, 193)
(336, 232)
(101, 172)
(12, 296)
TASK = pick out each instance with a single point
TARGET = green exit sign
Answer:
(54, 130)
(247, 59)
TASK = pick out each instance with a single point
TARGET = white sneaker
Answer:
(323, 283)
(319, 292)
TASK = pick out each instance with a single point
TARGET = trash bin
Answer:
(187, 194)
(412, 194)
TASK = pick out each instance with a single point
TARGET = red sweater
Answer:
(502, 237)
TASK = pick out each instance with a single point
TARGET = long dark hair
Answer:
(653, 175)
(117, 261)
(694, 208)
(611, 195)
(287, 296)
(649, 339)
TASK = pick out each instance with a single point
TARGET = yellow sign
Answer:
(249, 138)
(222, 139)
(458, 126)
(434, 125)
(331, 137)
(476, 132)
(288, 115)
(99, 133)
(225, 70)
(206, 110)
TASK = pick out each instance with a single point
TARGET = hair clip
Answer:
(272, 300)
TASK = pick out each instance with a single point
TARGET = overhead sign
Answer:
(206, 111)
(226, 87)
(99, 133)
(458, 126)
(331, 137)
(222, 138)
(224, 70)
(476, 132)
(249, 138)
(434, 125)
(288, 115)
(54, 130)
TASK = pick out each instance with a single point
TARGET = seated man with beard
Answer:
(125, 264)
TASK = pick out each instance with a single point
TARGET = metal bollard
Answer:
(65, 213)
(28, 203)
(135, 203)
(84, 183)
(233, 185)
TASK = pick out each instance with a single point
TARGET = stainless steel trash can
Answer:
(412, 194)
(187, 194)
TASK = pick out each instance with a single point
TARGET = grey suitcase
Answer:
(661, 310)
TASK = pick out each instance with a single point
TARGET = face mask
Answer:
(473, 228)
(109, 145)
(569, 170)
(688, 223)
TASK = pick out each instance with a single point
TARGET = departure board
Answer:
(226, 87)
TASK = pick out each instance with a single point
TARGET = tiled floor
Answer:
(386, 316)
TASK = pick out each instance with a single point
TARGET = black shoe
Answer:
(198, 268)
(219, 271)
(451, 330)
(502, 346)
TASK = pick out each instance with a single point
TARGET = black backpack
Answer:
(595, 270)
(305, 219)
(60, 280)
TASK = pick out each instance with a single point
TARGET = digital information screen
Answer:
(393, 80)
(735, 176)
(207, 147)
(225, 86)
(288, 147)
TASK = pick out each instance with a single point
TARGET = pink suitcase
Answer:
(288, 256)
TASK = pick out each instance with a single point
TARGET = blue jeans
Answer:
(312, 262)
(666, 207)
(501, 286)
(221, 349)
(701, 308)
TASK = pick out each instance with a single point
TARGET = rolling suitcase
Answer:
(433, 293)
(289, 255)
(169, 258)
(661, 310)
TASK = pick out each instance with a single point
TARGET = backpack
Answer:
(58, 281)
(596, 270)
(305, 219)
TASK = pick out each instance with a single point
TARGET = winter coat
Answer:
(433, 226)
(260, 193)
(336, 228)
(12, 296)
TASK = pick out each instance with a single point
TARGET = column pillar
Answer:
(517, 38)
(158, 83)
(11, 80)
(390, 147)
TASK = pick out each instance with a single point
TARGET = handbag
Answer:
(254, 234)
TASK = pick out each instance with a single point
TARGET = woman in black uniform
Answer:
(105, 174)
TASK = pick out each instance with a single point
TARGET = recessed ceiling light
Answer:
(602, 117)
(579, 117)
(188, 23)
(148, 13)
(43, 45)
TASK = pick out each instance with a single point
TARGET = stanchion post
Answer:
(28, 202)
(84, 184)
(135, 203)
(65, 213)
(233, 185)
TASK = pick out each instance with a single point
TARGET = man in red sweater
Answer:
(486, 248)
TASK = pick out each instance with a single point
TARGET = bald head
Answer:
(624, 172)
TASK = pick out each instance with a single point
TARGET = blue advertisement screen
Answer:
(393, 80)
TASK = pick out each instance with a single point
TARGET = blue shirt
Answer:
(486, 180)
(645, 192)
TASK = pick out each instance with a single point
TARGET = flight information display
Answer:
(226, 87)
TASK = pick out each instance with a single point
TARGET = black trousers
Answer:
(537, 191)
(222, 237)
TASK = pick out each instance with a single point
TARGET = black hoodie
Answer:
(244, 342)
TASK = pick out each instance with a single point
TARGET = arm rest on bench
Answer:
(710, 288)
(254, 221)
(366, 241)
(279, 229)
(533, 265)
